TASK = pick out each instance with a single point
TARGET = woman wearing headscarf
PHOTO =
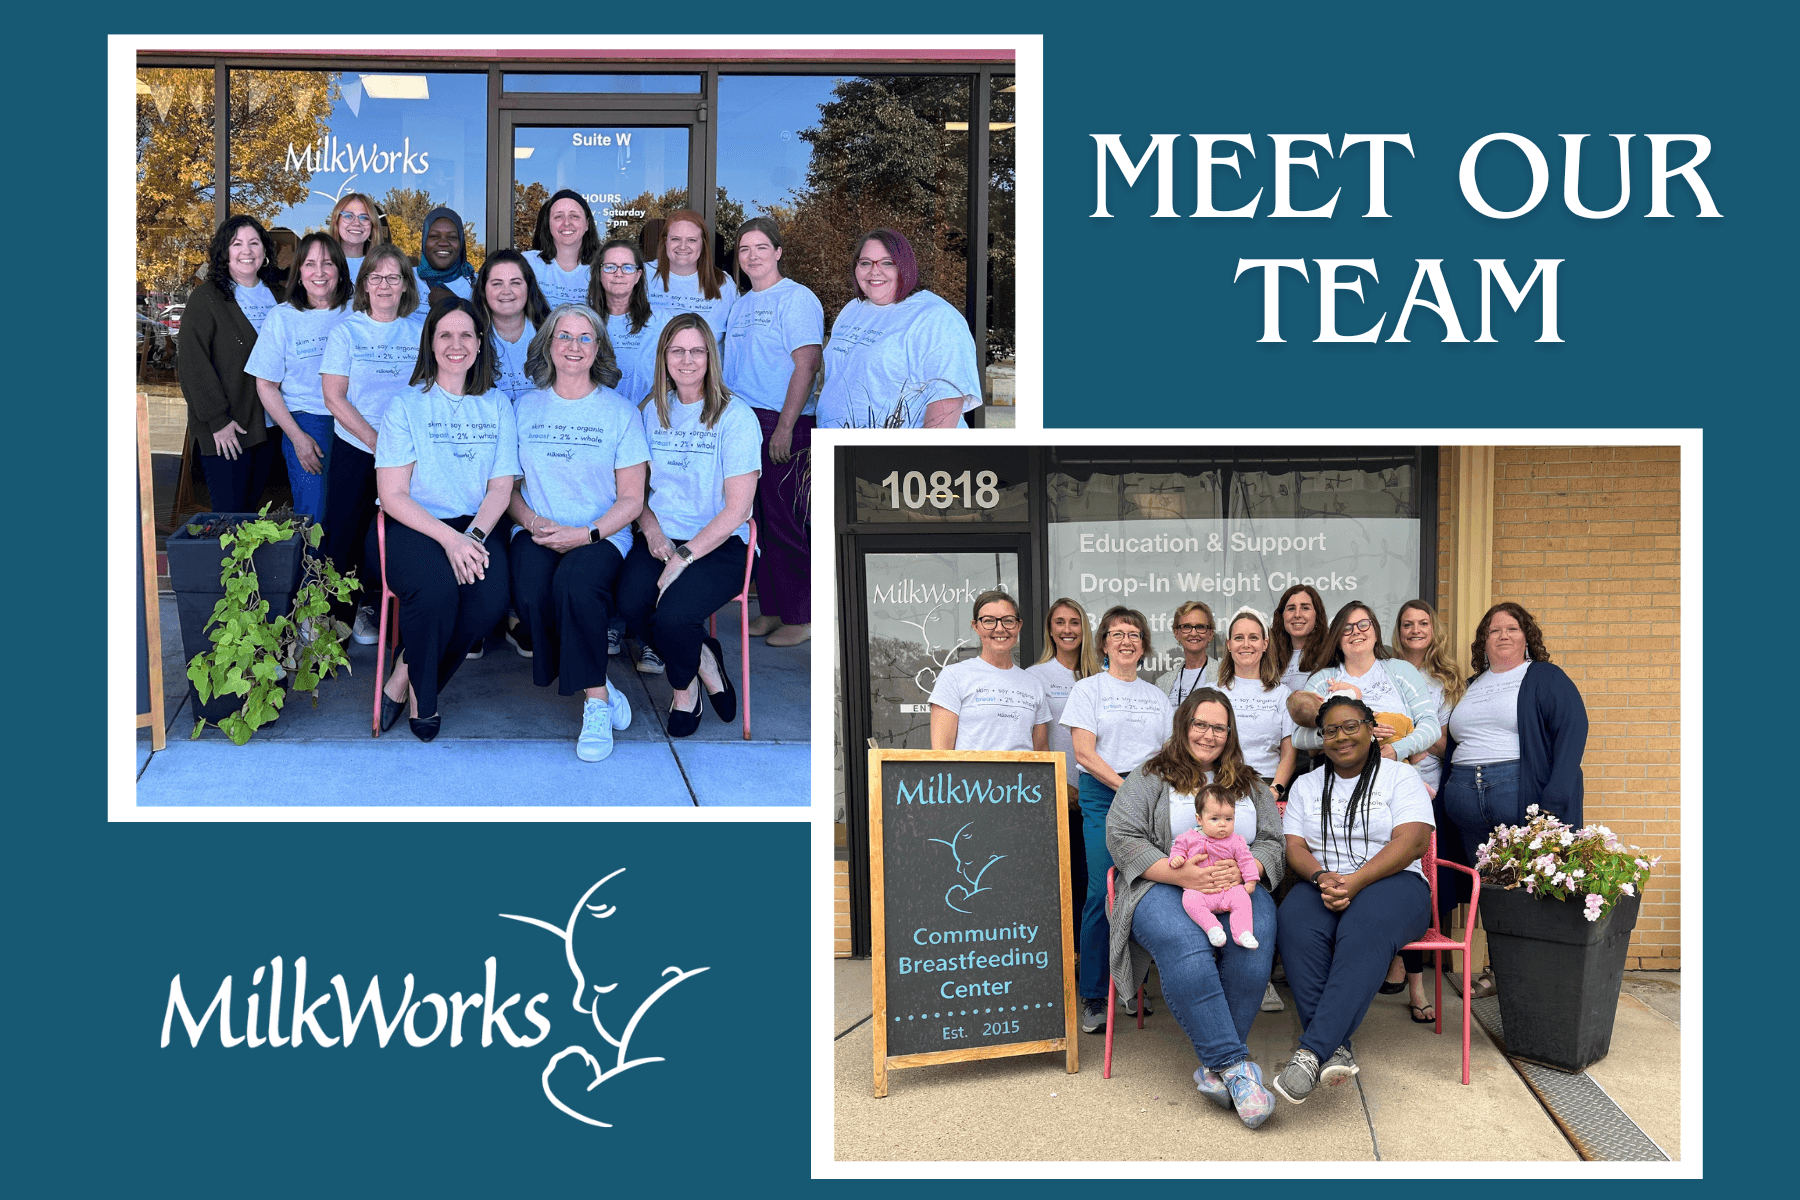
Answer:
(776, 328)
(443, 258)
(218, 331)
(900, 357)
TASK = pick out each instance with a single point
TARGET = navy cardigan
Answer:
(1553, 728)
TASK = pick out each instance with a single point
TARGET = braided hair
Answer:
(1365, 782)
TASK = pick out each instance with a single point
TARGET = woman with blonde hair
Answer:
(1067, 658)
(356, 227)
(684, 277)
(688, 557)
(1194, 626)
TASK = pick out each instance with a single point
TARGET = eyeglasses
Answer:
(866, 264)
(680, 352)
(991, 623)
(385, 280)
(1209, 727)
(1193, 629)
(1345, 727)
(630, 268)
(1362, 626)
(359, 218)
(1125, 635)
(586, 339)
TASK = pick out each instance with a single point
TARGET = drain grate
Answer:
(1596, 1126)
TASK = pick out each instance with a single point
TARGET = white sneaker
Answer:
(366, 632)
(621, 707)
(596, 740)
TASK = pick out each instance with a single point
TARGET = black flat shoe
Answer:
(426, 728)
(1392, 989)
(390, 711)
(683, 724)
(724, 701)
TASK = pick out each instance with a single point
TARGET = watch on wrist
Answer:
(478, 533)
(1314, 877)
(593, 534)
(686, 554)
(1280, 790)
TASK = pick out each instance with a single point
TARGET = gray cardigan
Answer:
(1138, 834)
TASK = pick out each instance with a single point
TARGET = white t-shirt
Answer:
(1397, 797)
(888, 362)
(560, 286)
(1486, 721)
(1262, 721)
(766, 328)
(511, 356)
(1129, 721)
(1178, 683)
(256, 302)
(568, 451)
(1057, 681)
(1183, 818)
(377, 357)
(995, 709)
(1378, 691)
(635, 353)
(689, 463)
(1293, 678)
(457, 443)
(288, 352)
(1431, 769)
(683, 295)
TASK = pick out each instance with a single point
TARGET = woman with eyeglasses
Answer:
(352, 222)
(566, 244)
(617, 292)
(1363, 668)
(688, 558)
(444, 467)
(1214, 992)
(900, 357)
(684, 278)
(1116, 721)
(988, 702)
(581, 454)
(1355, 828)
(1193, 624)
(508, 298)
(286, 364)
(1515, 738)
(226, 423)
(366, 364)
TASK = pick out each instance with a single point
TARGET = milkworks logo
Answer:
(448, 1014)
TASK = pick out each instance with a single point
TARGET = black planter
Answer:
(194, 566)
(1558, 974)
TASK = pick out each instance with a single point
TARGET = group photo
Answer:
(1366, 811)
(573, 426)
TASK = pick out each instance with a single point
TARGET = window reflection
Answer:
(174, 211)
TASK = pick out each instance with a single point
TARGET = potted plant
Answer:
(1559, 905)
(270, 618)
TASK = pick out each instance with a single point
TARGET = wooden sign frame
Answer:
(1069, 1043)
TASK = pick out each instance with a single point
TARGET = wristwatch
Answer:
(1280, 790)
(1314, 877)
(478, 533)
(686, 554)
(593, 534)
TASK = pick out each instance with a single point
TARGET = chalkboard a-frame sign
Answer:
(974, 956)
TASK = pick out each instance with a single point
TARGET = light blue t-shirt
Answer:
(377, 357)
(636, 353)
(355, 266)
(885, 363)
(766, 328)
(288, 351)
(683, 295)
(689, 463)
(256, 302)
(511, 358)
(456, 443)
(464, 287)
(560, 286)
(569, 451)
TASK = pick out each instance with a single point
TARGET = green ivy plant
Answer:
(252, 648)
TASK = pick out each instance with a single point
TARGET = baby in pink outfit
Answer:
(1211, 841)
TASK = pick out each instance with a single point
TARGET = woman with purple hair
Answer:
(900, 357)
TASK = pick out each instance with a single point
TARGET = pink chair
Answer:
(1112, 988)
(743, 602)
(381, 639)
(1435, 939)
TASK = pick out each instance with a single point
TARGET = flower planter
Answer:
(194, 567)
(1558, 974)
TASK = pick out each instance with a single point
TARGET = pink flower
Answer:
(1593, 908)
(1628, 889)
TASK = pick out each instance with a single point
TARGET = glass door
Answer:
(628, 168)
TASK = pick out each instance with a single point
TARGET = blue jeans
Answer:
(1479, 798)
(1214, 992)
(1095, 942)
(1335, 961)
(309, 490)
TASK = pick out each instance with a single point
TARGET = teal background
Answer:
(1677, 322)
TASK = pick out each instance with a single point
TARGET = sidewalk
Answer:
(1408, 1104)
(505, 741)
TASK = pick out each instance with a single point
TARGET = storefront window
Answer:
(1002, 248)
(175, 213)
(831, 158)
(412, 142)
(627, 174)
(627, 84)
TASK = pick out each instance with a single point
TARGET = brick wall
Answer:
(1587, 539)
(840, 908)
